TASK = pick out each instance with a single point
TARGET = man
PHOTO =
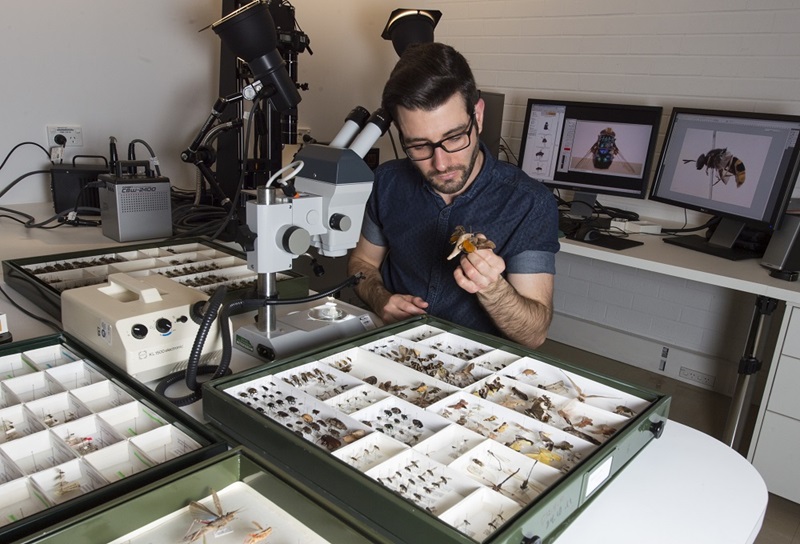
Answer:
(450, 179)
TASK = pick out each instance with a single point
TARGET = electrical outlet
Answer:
(73, 135)
(697, 376)
(303, 131)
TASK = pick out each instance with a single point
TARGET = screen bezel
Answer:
(608, 113)
(780, 192)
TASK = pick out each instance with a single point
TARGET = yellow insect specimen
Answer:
(467, 242)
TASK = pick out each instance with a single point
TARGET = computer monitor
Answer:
(740, 166)
(492, 120)
(589, 148)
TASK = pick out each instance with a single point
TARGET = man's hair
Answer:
(427, 76)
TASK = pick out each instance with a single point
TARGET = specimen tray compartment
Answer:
(75, 436)
(199, 263)
(258, 501)
(492, 457)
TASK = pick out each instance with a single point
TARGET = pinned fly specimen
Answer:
(467, 242)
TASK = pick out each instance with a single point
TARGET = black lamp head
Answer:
(249, 32)
(407, 26)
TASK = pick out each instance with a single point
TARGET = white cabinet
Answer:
(776, 437)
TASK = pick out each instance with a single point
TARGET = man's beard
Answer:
(456, 185)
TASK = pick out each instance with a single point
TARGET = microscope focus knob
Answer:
(163, 325)
(294, 239)
(339, 221)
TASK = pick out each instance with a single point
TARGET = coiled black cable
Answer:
(193, 367)
(218, 309)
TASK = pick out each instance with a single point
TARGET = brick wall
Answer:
(724, 54)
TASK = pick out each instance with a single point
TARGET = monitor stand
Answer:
(721, 243)
(582, 205)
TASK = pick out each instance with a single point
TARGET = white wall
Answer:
(117, 68)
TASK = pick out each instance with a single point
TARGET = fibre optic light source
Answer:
(249, 32)
(407, 26)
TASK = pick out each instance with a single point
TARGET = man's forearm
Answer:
(370, 288)
(521, 319)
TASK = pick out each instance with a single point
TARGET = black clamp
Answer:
(749, 365)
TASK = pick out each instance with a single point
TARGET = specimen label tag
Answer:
(598, 476)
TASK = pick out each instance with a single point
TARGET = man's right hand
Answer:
(399, 307)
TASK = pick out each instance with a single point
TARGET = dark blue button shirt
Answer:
(407, 216)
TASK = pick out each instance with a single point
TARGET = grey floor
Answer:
(698, 408)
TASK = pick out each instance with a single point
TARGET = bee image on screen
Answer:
(739, 166)
(589, 148)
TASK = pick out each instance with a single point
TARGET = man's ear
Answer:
(480, 105)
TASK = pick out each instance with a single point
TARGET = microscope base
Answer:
(304, 329)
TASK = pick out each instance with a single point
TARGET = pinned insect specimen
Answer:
(580, 434)
(546, 456)
(624, 411)
(63, 486)
(330, 442)
(209, 521)
(581, 395)
(345, 365)
(258, 536)
(87, 445)
(50, 420)
(519, 443)
(498, 519)
(519, 393)
(499, 486)
(524, 485)
(353, 436)
(463, 377)
(539, 408)
(604, 429)
(10, 430)
(467, 242)
(489, 388)
(556, 387)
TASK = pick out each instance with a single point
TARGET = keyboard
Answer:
(617, 243)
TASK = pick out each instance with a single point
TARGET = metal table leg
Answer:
(748, 366)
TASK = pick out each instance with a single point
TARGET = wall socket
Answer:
(697, 376)
(73, 135)
(303, 131)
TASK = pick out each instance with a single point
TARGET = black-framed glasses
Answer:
(451, 144)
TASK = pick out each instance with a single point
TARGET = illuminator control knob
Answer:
(163, 325)
(139, 331)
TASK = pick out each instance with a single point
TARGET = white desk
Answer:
(685, 486)
(747, 276)
(656, 256)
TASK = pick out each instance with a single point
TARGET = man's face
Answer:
(448, 173)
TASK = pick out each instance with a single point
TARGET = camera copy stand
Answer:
(748, 366)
